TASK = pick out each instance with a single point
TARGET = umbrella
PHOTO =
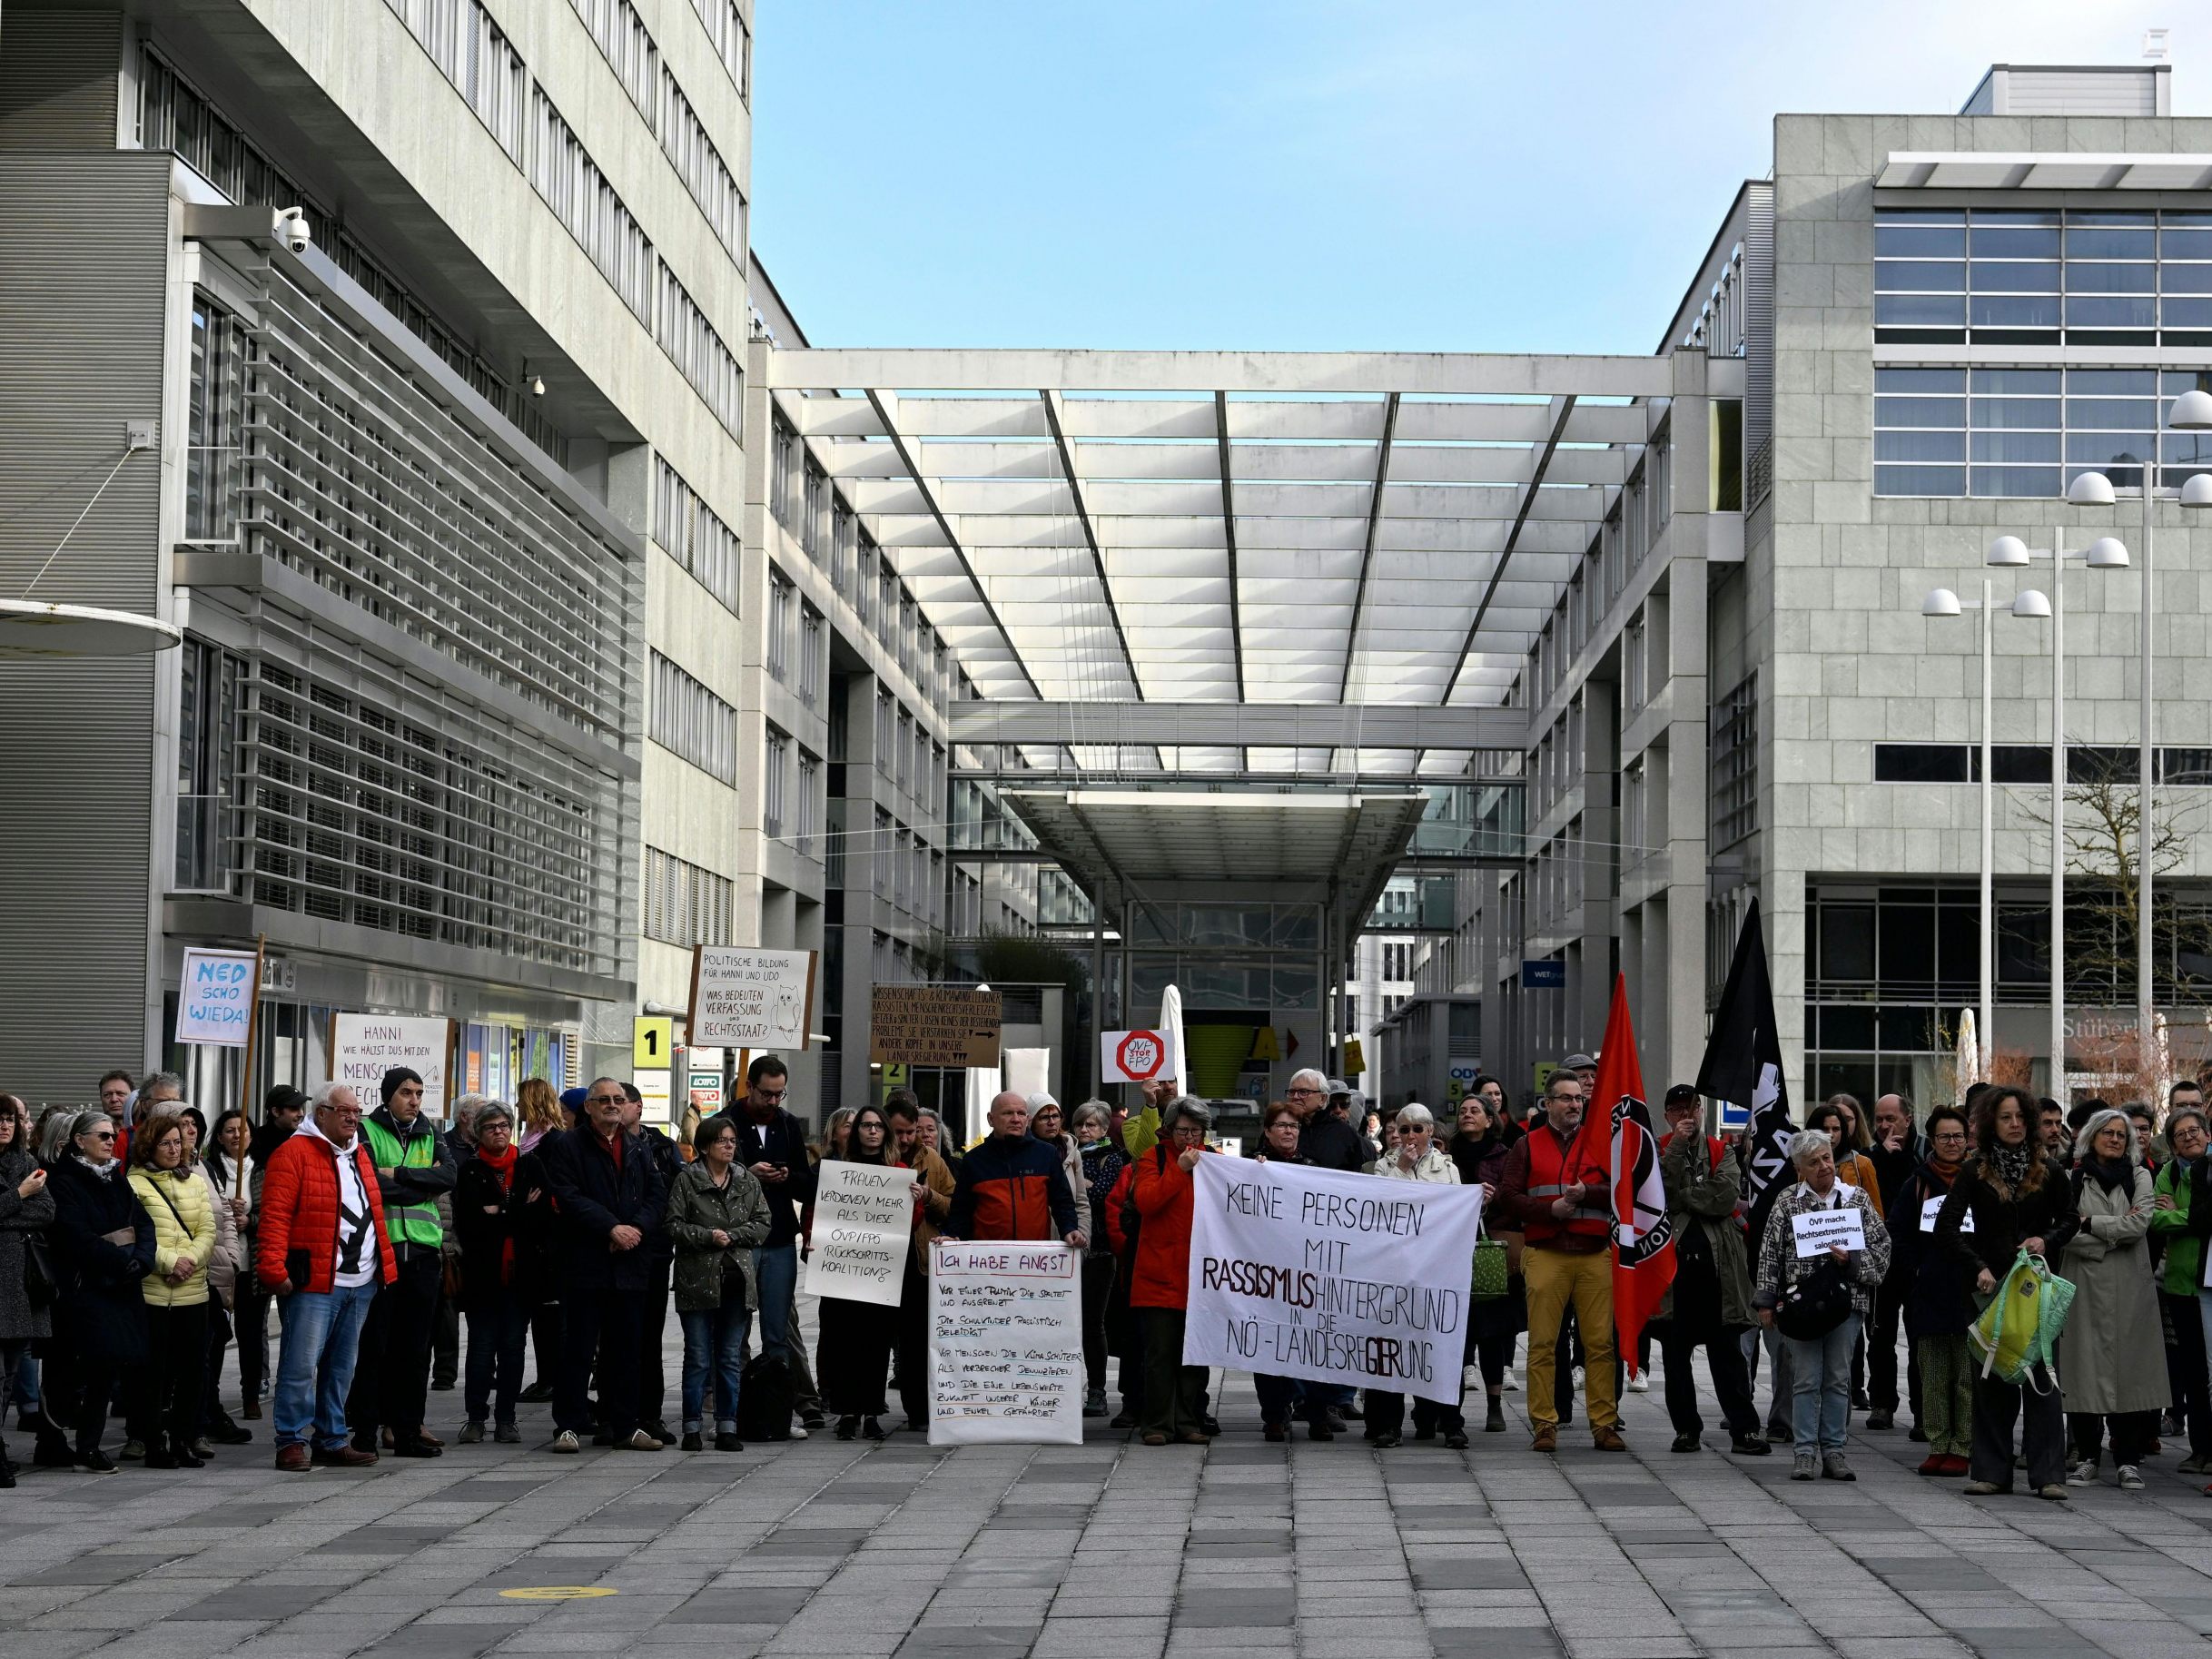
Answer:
(1969, 1054)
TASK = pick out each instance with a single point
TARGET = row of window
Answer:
(2027, 763)
(2022, 431)
(696, 349)
(905, 753)
(688, 720)
(2010, 276)
(701, 167)
(563, 173)
(682, 904)
(732, 41)
(693, 534)
(783, 604)
(789, 805)
(1629, 531)
(479, 60)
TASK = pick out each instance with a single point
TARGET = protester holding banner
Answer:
(2110, 1355)
(853, 1357)
(1559, 1197)
(717, 1214)
(1479, 1149)
(1010, 1186)
(1937, 1300)
(1101, 1163)
(1709, 1305)
(2018, 1199)
(932, 1191)
(1418, 1157)
(1283, 1397)
(1824, 1251)
(1161, 1194)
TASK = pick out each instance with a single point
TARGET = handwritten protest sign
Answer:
(1137, 1056)
(932, 1025)
(1933, 1207)
(364, 1047)
(744, 998)
(1005, 1344)
(216, 997)
(1816, 1230)
(1330, 1277)
(863, 1221)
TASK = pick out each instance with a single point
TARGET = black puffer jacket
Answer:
(2003, 1217)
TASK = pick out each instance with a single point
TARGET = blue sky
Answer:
(1307, 175)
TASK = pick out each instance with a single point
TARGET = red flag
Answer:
(1616, 1136)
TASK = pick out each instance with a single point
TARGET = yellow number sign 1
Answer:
(652, 1041)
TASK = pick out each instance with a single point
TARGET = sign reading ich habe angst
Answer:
(1330, 1277)
(745, 998)
(1005, 1344)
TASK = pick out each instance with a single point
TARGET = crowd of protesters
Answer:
(138, 1248)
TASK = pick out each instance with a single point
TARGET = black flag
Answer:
(1742, 1067)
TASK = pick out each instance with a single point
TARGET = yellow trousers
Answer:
(1554, 1279)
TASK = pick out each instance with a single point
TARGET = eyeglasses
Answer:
(1301, 1091)
(101, 1134)
(606, 1099)
(771, 1095)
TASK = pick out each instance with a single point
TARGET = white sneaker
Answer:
(1640, 1385)
(566, 1441)
(1470, 1376)
(2130, 1477)
(2083, 1475)
(797, 1433)
(1579, 1379)
(1511, 1384)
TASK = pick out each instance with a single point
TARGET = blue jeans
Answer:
(714, 1341)
(1819, 1382)
(776, 1273)
(322, 1335)
(496, 1335)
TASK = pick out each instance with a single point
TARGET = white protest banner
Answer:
(1816, 1230)
(1005, 1344)
(863, 1227)
(1330, 1277)
(364, 1047)
(1136, 1057)
(1933, 1208)
(216, 997)
(744, 998)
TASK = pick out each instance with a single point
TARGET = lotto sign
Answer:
(1135, 1057)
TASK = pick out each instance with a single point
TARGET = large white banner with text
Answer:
(1005, 1344)
(1330, 1277)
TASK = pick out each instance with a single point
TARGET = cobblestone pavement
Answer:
(827, 1547)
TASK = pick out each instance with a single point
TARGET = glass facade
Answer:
(2026, 431)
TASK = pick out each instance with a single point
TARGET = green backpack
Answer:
(2019, 1329)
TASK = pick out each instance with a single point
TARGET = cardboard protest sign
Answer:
(863, 1227)
(1329, 1277)
(1005, 1344)
(932, 1025)
(364, 1047)
(745, 998)
(216, 997)
(1816, 1230)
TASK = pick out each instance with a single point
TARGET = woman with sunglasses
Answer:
(103, 1252)
(26, 1212)
(852, 1356)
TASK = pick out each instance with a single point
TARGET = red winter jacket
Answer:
(1163, 1196)
(298, 1216)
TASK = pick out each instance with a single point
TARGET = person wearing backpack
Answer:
(2019, 1199)
(2111, 1352)
(1819, 1301)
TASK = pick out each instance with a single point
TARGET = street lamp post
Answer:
(2106, 553)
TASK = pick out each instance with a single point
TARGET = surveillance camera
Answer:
(292, 232)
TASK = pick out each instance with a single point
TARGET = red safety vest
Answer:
(1549, 1178)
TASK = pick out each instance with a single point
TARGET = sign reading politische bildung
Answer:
(1330, 1277)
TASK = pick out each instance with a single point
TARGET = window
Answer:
(2024, 432)
(1735, 764)
(691, 533)
(692, 344)
(627, 46)
(689, 720)
(470, 52)
(776, 762)
(701, 167)
(815, 528)
(879, 846)
(207, 765)
(782, 463)
(779, 627)
(733, 41)
(581, 199)
(682, 904)
(211, 457)
(903, 749)
(810, 655)
(809, 805)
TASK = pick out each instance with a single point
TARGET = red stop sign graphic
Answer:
(1141, 1054)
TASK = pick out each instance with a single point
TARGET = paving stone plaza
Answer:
(1331, 1551)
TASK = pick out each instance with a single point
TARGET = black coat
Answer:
(483, 1237)
(593, 1197)
(2003, 1218)
(102, 1304)
(1937, 1291)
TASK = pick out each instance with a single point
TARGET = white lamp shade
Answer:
(2008, 551)
(2030, 604)
(1939, 602)
(2090, 489)
(2191, 412)
(2197, 489)
(2106, 553)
